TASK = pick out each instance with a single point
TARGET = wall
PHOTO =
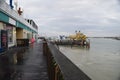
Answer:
(1, 25)
(27, 34)
(19, 33)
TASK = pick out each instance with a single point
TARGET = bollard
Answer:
(45, 48)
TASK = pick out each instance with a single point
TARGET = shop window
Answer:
(10, 34)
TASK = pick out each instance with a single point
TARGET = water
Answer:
(100, 62)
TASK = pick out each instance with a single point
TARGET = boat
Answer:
(78, 39)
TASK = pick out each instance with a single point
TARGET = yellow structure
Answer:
(79, 39)
(78, 36)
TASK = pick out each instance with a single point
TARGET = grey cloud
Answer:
(65, 16)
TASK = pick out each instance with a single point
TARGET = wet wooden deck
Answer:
(33, 66)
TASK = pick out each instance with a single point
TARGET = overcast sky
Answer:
(63, 17)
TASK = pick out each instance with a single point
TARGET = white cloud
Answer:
(57, 17)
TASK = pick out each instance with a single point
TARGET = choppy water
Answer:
(100, 62)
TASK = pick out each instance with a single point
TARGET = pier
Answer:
(39, 61)
(21, 58)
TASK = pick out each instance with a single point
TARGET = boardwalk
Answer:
(32, 67)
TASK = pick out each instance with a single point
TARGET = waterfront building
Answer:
(15, 25)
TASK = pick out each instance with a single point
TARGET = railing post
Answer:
(45, 48)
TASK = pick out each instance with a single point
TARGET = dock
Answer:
(39, 61)
(31, 67)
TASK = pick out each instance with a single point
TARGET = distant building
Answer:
(32, 23)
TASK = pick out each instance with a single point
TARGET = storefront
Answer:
(11, 30)
(3, 38)
(11, 34)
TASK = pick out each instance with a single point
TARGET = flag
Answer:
(11, 4)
